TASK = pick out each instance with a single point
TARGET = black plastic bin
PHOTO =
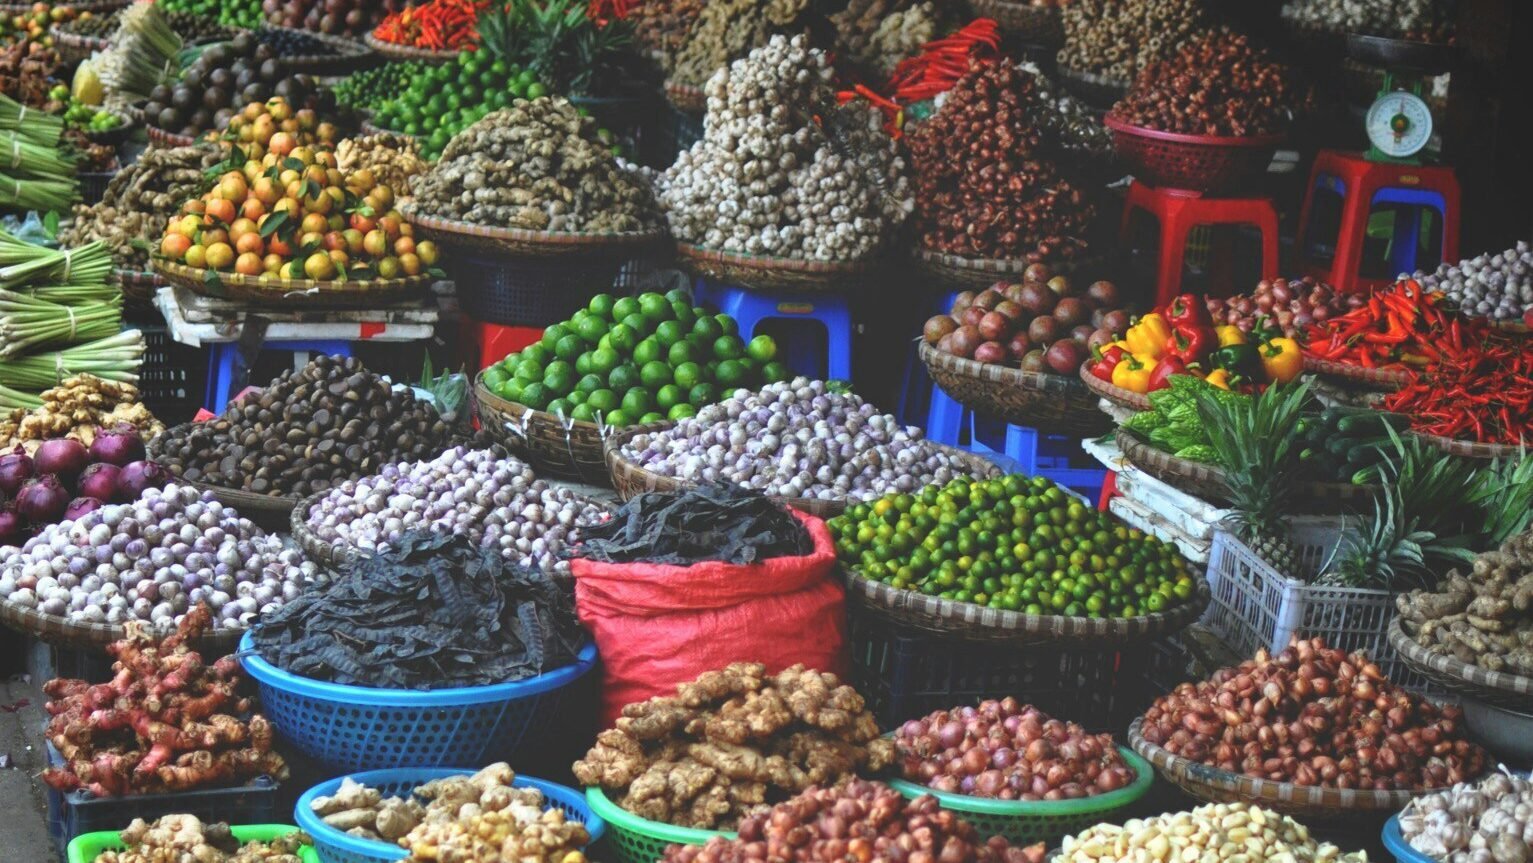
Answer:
(529, 291)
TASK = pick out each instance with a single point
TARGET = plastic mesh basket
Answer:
(1196, 163)
(1395, 844)
(86, 848)
(351, 728)
(335, 846)
(1026, 822)
(527, 291)
(639, 840)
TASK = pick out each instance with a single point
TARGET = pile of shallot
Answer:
(64, 480)
(1290, 305)
(1008, 750)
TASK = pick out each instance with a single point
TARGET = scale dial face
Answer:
(1399, 124)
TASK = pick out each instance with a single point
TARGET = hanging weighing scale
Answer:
(1399, 122)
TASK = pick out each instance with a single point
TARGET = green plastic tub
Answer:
(1024, 822)
(86, 847)
(639, 840)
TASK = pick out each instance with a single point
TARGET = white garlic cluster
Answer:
(1381, 17)
(766, 180)
(1490, 821)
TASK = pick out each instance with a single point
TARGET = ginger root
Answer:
(1483, 617)
(186, 839)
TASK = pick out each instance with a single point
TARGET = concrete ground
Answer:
(23, 818)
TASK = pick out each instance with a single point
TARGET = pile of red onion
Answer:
(1011, 751)
(64, 480)
(1290, 305)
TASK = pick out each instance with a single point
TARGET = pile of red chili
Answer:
(1468, 381)
(437, 25)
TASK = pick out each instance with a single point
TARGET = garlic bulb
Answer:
(1490, 821)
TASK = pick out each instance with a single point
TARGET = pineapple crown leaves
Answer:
(1255, 442)
(558, 41)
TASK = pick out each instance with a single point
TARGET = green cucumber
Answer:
(1339, 445)
(1372, 423)
(1364, 455)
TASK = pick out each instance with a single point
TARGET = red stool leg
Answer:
(1175, 225)
(1452, 196)
(1268, 224)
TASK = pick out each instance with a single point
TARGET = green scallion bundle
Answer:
(72, 294)
(20, 155)
(44, 196)
(37, 126)
(27, 323)
(12, 399)
(22, 262)
(116, 358)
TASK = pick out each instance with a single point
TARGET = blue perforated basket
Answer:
(351, 728)
(334, 846)
(1394, 842)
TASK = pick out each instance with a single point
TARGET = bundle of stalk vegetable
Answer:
(35, 172)
(143, 54)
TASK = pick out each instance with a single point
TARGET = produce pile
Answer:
(1473, 822)
(143, 54)
(491, 499)
(878, 34)
(1289, 304)
(733, 741)
(468, 817)
(33, 25)
(371, 87)
(766, 179)
(392, 161)
(1042, 324)
(973, 202)
(1012, 543)
(151, 560)
(537, 165)
(435, 25)
(725, 30)
(80, 408)
(799, 439)
(711, 522)
(437, 102)
(184, 837)
(223, 79)
(661, 26)
(1314, 716)
(1181, 339)
(1483, 617)
(271, 125)
(241, 14)
(1119, 38)
(1068, 124)
(165, 722)
(1496, 286)
(140, 201)
(1173, 424)
(1204, 833)
(1347, 444)
(1220, 85)
(635, 360)
(26, 72)
(859, 818)
(41, 172)
(305, 432)
(1009, 751)
(1417, 20)
(433, 612)
(63, 480)
(335, 17)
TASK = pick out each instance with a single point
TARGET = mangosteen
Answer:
(183, 97)
(160, 93)
(214, 98)
(220, 78)
(264, 52)
(202, 119)
(243, 43)
(271, 71)
(222, 118)
(255, 92)
(168, 118)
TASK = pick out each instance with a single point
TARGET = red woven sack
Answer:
(659, 626)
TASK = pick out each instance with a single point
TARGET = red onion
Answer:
(11, 530)
(15, 469)
(42, 500)
(139, 476)
(62, 457)
(100, 481)
(119, 447)
(950, 734)
(80, 506)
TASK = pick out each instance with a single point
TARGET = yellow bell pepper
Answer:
(1147, 337)
(1133, 373)
(1229, 334)
(1282, 360)
(1219, 378)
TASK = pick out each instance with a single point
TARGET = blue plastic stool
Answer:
(1035, 455)
(1407, 230)
(222, 357)
(943, 417)
(750, 307)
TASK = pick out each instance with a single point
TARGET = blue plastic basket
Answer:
(335, 846)
(352, 728)
(1394, 842)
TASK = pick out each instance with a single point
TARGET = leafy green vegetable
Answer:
(1198, 452)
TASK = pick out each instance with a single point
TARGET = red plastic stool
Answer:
(1178, 212)
(497, 342)
(1362, 186)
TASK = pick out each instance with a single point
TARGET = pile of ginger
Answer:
(185, 839)
(1483, 617)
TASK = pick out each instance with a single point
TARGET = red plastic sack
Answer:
(659, 626)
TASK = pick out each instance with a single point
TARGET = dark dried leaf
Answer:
(721, 522)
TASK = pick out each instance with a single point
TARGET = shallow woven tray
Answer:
(1053, 404)
(685, 97)
(1117, 395)
(160, 137)
(1306, 803)
(137, 285)
(1206, 481)
(972, 622)
(563, 448)
(979, 273)
(1517, 328)
(350, 55)
(631, 480)
(1034, 24)
(530, 244)
(1500, 688)
(73, 47)
(289, 293)
(1387, 380)
(772, 274)
(1472, 449)
(331, 555)
(1098, 91)
(407, 52)
(96, 636)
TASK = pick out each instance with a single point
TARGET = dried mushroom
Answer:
(1118, 38)
(1483, 617)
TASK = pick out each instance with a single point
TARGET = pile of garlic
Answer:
(1490, 821)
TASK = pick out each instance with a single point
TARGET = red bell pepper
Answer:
(1160, 376)
(1102, 367)
(1191, 342)
(1189, 309)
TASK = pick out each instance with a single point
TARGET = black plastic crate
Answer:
(529, 292)
(172, 383)
(46, 661)
(76, 812)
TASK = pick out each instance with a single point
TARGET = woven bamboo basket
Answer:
(1516, 328)
(94, 7)
(348, 55)
(1117, 395)
(161, 138)
(978, 273)
(1472, 449)
(772, 274)
(685, 97)
(553, 446)
(1033, 24)
(306, 293)
(532, 244)
(74, 47)
(631, 480)
(1387, 380)
(971, 622)
(96, 636)
(1207, 481)
(1053, 404)
(331, 555)
(393, 51)
(1500, 688)
(138, 286)
(1098, 91)
(1303, 802)
(268, 512)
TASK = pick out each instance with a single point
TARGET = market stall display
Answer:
(1456, 825)
(186, 835)
(221, 81)
(80, 407)
(1108, 42)
(1205, 830)
(1498, 285)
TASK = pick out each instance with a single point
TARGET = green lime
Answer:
(669, 396)
(703, 394)
(537, 353)
(728, 348)
(570, 347)
(679, 295)
(708, 327)
(638, 402)
(762, 349)
(622, 307)
(582, 414)
(731, 327)
(647, 351)
(579, 315)
(583, 363)
(683, 314)
(701, 345)
(529, 371)
(535, 396)
(681, 353)
(577, 397)
(751, 367)
(651, 417)
(623, 338)
(559, 377)
(681, 411)
(588, 384)
(711, 370)
(688, 375)
(602, 400)
(494, 376)
(591, 328)
(775, 371)
(601, 306)
(559, 407)
(511, 390)
(624, 377)
(655, 375)
(669, 332)
(526, 77)
(639, 324)
(603, 361)
(654, 307)
(617, 419)
(730, 373)
(536, 91)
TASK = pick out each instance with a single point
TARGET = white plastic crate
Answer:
(1253, 606)
(1135, 515)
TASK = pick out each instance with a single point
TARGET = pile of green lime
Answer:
(635, 360)
(1013, 543)
(442, 100)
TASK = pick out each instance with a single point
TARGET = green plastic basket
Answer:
(1024, 822)
(639, 840)
(86, 847)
